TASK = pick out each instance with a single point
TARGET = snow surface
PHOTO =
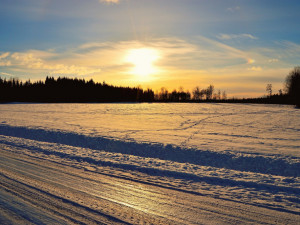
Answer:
(269, 129)
(240, 152)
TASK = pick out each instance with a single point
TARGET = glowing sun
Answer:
(142, 59)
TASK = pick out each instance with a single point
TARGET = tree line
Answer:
(198, 94)
(65, 89)
(289, 95)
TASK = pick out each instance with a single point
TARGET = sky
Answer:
(239, 46)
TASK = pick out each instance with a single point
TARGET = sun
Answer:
(143, 59)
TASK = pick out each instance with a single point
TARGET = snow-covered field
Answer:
(213, 157)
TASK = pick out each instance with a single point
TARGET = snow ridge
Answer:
(280, 165)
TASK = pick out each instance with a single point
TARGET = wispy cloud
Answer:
(40, 61)
(6, 74)
(233, 9)
(255, 68)
(4, 61)
(282, 54)
(273, 60)
(235, 36)
(110, 1)
(4, 55)
(225, 54)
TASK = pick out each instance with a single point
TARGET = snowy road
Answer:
(57, 193)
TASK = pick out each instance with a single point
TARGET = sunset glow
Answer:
(149, 112)
(143, 61)
(168, 43)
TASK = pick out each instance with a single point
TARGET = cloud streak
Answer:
(6, 74)
(235, 36)
(110, 1)
(233, 9)
(255, 68)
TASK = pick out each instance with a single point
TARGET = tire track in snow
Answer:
(148, 204)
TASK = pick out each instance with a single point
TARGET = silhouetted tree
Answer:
(183, 96)
(219, 94)
(224, 95)
(163, 95)
(197, 93)
(174, 97)
(292, 85)
(269, 89)
(209, 92)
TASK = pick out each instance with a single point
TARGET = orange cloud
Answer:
(273, 60)
(110, 1)
(255, 68)
(250, 61)
(4, 61)
(4, 55)
(31, 60)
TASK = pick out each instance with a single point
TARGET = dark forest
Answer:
(69, 90)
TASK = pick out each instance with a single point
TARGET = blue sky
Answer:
(239, 46)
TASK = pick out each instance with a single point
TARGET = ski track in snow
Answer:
(231, 154)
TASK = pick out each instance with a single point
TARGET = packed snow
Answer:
(245, 153)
